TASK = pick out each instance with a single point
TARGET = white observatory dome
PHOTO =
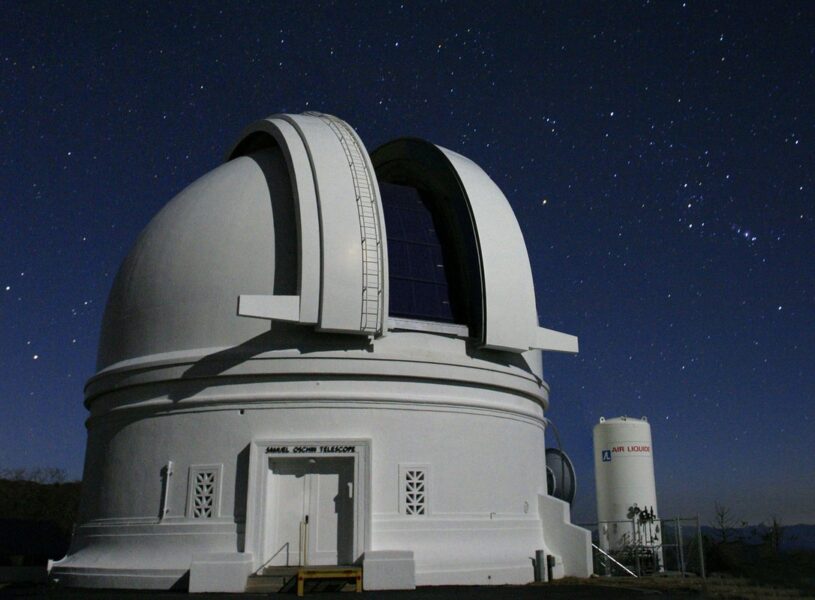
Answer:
(313, 356)
(175, 292)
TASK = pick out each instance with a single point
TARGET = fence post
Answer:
(701, 548)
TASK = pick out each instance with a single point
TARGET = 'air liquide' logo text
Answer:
(633, 449)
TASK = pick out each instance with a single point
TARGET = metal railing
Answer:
(259, 571)
(613, 560)
(636, 548)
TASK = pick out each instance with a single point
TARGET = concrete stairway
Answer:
(284, 579)
(273, 579)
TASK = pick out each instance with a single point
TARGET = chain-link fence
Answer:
(653, 545)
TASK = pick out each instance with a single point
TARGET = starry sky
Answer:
(658, 155)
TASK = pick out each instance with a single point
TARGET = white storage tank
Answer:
(626, 491)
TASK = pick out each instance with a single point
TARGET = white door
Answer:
(310, 507)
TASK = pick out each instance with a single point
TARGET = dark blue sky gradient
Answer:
(659, 157)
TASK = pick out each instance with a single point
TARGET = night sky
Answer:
(659, 158)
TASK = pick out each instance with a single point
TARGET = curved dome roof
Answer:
(291, 229)
(176, 290)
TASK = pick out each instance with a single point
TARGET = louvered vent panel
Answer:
(414, 493)
(204, 492)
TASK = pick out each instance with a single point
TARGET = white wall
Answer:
(486, 471)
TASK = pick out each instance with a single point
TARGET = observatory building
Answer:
(317, 356)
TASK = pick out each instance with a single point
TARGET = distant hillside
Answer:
(794, 537)
(36, 516)
(31, 500)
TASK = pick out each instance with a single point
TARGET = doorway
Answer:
(310, 511)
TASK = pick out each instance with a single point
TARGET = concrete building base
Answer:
(570, 544)
(219, 572)
(141, 579)
(389, 570)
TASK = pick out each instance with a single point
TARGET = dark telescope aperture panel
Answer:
(419, 268)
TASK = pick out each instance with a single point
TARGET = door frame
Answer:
(260, 450)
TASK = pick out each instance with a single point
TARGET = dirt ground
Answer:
(527, 592)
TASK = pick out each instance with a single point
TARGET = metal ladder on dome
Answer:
(367, 211)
